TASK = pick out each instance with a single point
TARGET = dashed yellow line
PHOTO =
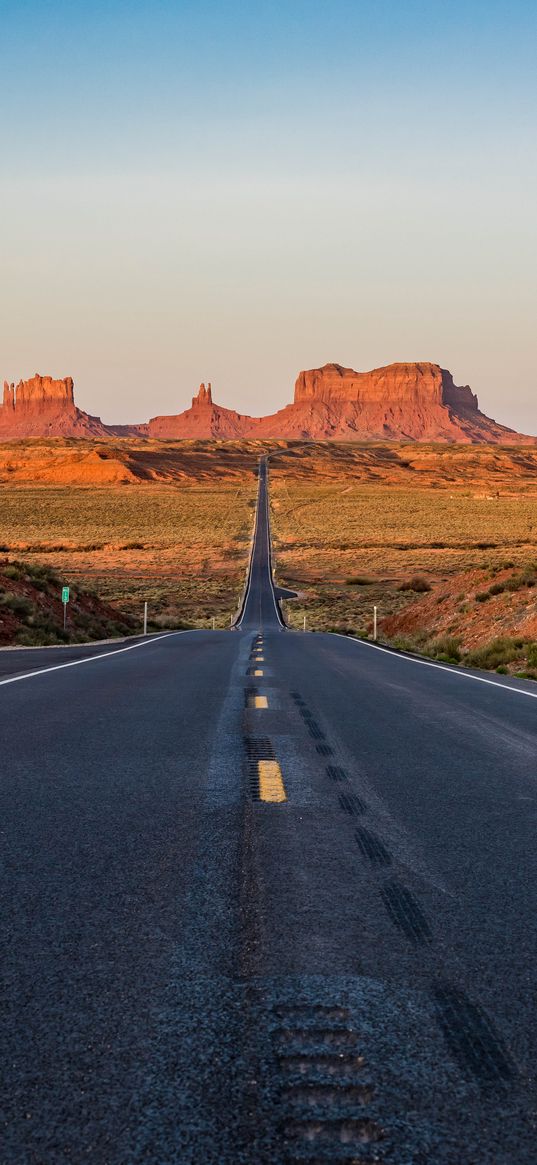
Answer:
(258, 671)
(260, 659)
(271, 786)
(260, 702)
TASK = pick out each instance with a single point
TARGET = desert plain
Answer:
(442, 538)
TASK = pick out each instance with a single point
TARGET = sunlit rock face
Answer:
(414, 384)
(413, 401)
(43, 407)
(402, 402)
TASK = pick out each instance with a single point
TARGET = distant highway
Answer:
(267, 898)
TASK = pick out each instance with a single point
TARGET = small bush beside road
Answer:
(31, 610)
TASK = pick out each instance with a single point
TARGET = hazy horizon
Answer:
(208, 192)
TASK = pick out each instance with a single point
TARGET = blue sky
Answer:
(233, 192)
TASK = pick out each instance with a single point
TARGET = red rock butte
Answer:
(402, 402)
(43, 407)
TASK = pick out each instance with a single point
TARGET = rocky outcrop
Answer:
(203, 419)
(43, 407)
(402, 402)
(203, 397)
(417, 385)
(412, 402)
(39, 394)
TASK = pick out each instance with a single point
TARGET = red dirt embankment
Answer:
(473, 605)
(485, 469)
(31, 610)
(482, 618)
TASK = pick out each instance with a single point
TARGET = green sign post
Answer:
(65, 600)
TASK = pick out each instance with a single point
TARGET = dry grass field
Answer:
(424, 555)
(442, 539)
(184, 549)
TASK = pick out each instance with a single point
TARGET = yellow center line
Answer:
(260, 702)
(258, 671)
(260, 659)
(271, 786)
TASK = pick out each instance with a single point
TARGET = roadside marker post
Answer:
(65, 600)
(145, 618)
(214, 622)
(304, 622)
(374, 624)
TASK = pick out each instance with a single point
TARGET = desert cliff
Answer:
(401, 402)
(43, 407)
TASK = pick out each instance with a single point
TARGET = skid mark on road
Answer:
(468, 1032)
(347, 768)
(324, 1113)
(349, 802)
(405, 912)
(372, 847)
(336, 773)
(471, 1037)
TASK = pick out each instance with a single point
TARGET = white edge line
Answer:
(465, 675)
(43, 671)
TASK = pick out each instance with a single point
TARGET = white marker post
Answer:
(65, 600)
(304, 622)
(145, 618)
(375, 624)
(214, 622)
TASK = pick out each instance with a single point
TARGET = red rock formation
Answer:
(409, 402)
(204, 396)
(203, 420)
(40, 394)
(43, 407)
(413, 402)
(418, 384)
(403, 402)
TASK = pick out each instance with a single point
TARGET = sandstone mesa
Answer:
(401, 402)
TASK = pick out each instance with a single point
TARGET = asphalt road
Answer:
(267, 898)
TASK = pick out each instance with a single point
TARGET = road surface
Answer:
(267, 897)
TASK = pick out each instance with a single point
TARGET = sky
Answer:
(235, 191)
